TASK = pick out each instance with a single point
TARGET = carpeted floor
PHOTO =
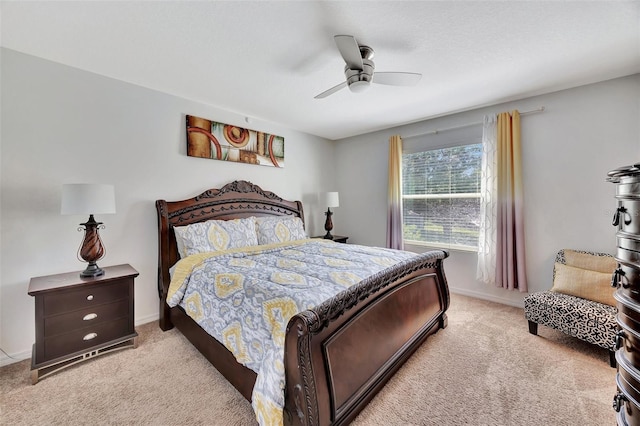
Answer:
(483, 369)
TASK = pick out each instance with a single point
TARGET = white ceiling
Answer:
(267, 59)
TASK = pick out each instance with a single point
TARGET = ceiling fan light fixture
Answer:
(359, 86)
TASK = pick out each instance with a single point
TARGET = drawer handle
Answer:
(618, 401)
(90, 297)
(619, 341)
(89, 317)
(616, 217)
(616, 279)
(617, 214)
(90, 336)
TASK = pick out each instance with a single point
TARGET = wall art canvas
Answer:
(219, 141)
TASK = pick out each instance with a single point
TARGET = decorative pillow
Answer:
(584, 283)
(590, 261)
(272, 230)
(215, 235)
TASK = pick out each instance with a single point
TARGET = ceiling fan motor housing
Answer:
(359, 80)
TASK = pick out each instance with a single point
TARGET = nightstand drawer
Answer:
(65, 323)
(84, 338)
(84, 297)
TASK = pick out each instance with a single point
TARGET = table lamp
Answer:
(85, 198)
(329, 199)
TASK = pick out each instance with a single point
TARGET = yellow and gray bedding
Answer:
(244, 297)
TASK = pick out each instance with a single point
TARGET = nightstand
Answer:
(81, 318)
(336, 238)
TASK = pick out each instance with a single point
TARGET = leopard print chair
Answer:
(591, 321)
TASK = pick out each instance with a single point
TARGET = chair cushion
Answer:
(585, 319)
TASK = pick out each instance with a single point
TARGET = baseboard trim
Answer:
(13, 358)
(484, 296)
(147, 319)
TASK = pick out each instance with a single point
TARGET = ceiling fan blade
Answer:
(397, 78)
(350, 51)
(331, 91)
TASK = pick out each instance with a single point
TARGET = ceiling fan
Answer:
(359, 71)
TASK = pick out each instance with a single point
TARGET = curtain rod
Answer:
(435, 132)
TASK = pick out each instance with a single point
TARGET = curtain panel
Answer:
(394, 195)
(488, 232)
(510, 264)
(502, 212)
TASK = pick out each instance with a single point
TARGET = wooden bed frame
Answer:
(338, 355)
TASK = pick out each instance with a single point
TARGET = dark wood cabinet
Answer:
(626, 279)
(79, 318)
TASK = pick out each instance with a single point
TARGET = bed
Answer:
(383, 318)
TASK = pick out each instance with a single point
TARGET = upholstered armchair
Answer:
(581, 302)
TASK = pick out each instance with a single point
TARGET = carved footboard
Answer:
(339, 355)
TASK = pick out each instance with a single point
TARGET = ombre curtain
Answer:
(394, 195)
(509, 212)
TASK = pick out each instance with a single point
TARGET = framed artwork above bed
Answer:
(219, 141)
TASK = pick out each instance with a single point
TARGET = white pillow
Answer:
(215, 235)
(272, 230)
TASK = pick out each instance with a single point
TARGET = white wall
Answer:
(567, 151)
(63, 125)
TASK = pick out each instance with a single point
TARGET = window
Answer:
(441, 196)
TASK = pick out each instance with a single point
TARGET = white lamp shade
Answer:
(88, 198)
(330, 199)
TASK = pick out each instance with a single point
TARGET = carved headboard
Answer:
(235, 200)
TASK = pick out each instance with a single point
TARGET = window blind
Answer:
(441, 195)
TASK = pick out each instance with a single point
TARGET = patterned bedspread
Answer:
(245, 298)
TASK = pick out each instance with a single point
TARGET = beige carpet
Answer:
(483, 369)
